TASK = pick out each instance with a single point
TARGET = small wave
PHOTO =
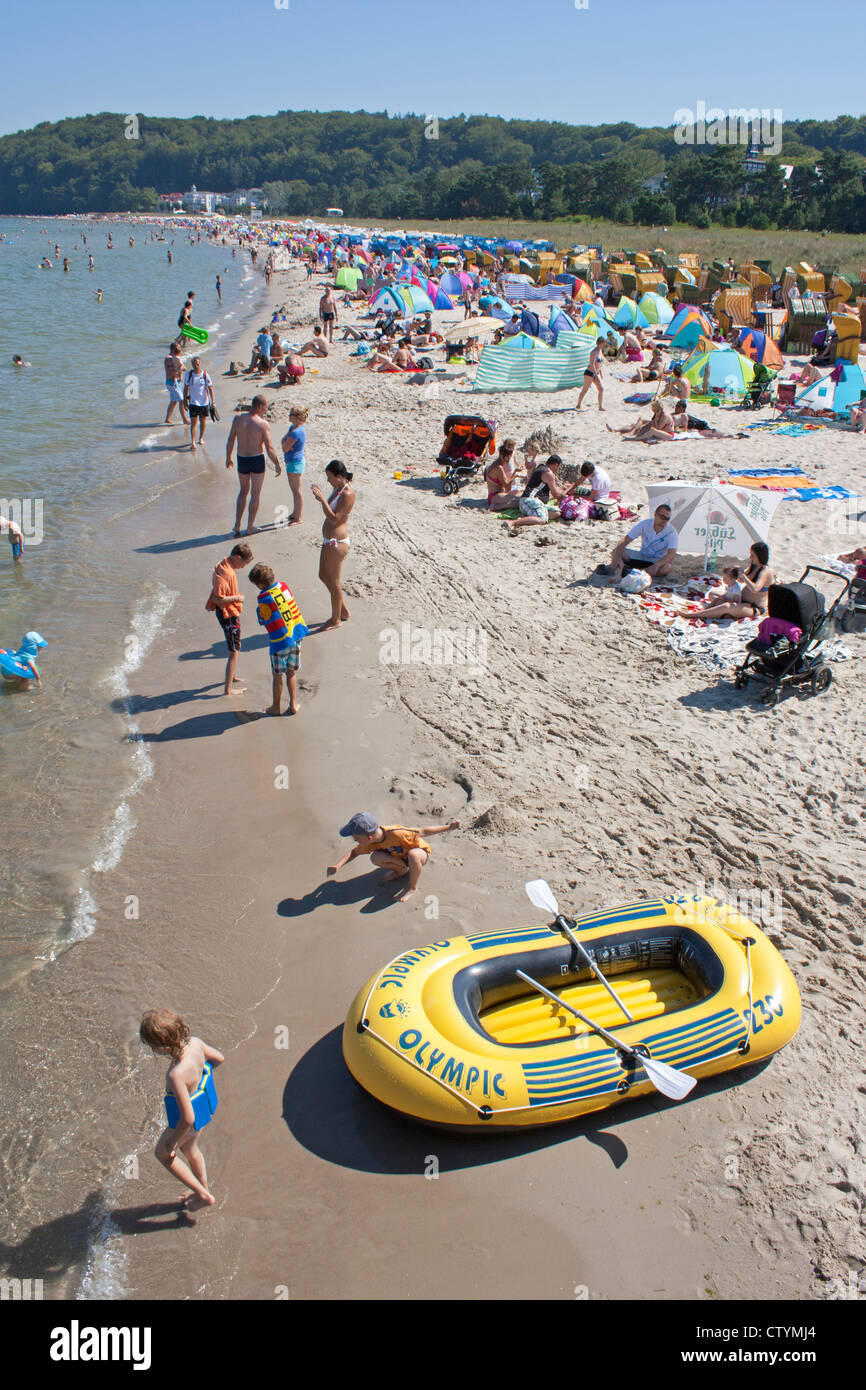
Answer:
(147, 621)
(83, 919)
(103, 1277)
(230, 316)
(149, 441)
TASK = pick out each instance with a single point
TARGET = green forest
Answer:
(410, 167)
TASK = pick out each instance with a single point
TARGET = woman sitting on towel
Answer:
(659, 426)
(500, 477)
(753, 585)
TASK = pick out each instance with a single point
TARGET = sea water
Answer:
(82, 454)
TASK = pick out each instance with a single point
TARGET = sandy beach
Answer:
(583, 750)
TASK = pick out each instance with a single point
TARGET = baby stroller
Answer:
(758, 392)
(467, 439)
(789, 647)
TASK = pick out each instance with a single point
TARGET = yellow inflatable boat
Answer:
(450, 1034)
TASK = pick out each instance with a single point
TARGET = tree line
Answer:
(414, 167)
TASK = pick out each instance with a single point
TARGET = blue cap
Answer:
(33, 641)
(362, 823)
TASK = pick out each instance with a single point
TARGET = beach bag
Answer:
(605, 511)
(568, 508)
(635, 582)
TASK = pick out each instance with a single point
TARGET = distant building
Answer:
(655, 184)
(753, 164)
(196, 201)
(243, 197)
(171, 201)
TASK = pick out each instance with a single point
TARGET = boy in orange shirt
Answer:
(226, 601)
(394, 847)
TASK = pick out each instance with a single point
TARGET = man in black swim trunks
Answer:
(252, 435)
(328, 313)
(685, 422)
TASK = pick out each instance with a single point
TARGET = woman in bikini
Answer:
(592, 376)
(335, 537)
(755, 582)
(500, 477)
(653, 371)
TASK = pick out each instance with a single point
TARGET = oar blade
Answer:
(672, 1083)
(540, 895)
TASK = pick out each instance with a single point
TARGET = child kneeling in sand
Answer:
(167, 1034)
(281, 617)
(394, 847)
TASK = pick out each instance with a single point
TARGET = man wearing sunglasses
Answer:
(658, 546)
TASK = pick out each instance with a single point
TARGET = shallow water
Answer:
(82, 454)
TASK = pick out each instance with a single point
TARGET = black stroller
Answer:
(776, 660)
(467, 439)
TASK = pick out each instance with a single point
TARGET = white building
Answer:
(241, 197)
(195, 201)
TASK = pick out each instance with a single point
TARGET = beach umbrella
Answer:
(515, 246)
(715, 519)
(729, 371)
(471, 328)
(761, 348)
(656, 308)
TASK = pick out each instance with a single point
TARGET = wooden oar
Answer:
(540, 895)
(672, 1083)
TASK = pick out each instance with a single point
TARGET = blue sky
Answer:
(541, 59)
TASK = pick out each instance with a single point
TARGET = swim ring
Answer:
(14, 664)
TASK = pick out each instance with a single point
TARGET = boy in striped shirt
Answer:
(281, 618)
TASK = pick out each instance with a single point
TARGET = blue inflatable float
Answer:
(22, 664)
(204, 1102)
